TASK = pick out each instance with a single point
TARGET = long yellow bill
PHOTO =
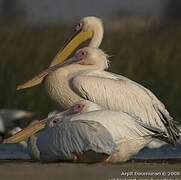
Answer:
(62, 55)
(25, 133)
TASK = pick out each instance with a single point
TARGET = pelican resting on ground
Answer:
(84, 77)
(87, 133)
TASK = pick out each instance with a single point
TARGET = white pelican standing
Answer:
(87, 133)
(83, 77)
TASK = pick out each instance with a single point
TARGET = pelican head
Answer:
(92, 56)
(82, 106)
(88, 58)
(94, 25)
(87, 28)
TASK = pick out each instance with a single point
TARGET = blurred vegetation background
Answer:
(143, 48)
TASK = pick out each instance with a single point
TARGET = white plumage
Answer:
(83, 77)
(99, 135)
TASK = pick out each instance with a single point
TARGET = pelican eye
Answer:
(55, 121)
(78, 108)
(81, 55)
(78, 26)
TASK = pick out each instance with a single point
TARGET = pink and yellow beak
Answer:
(26, 133)
(76, 39)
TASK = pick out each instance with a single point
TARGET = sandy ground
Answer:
(20, 170)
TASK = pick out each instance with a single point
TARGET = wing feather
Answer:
(71, 138)
(116, 92)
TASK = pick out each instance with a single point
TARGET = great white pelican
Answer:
(83, 77)
(88, 133)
